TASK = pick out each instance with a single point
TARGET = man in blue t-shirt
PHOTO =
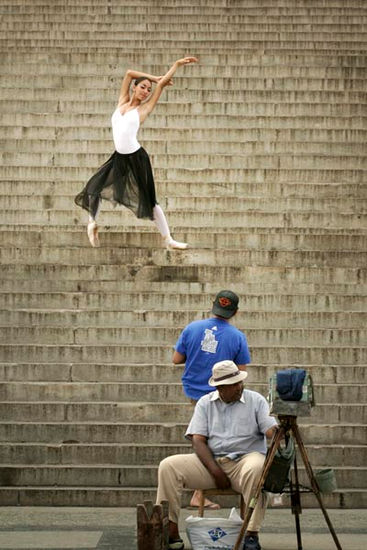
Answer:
(202, 344)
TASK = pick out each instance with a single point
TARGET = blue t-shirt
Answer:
(205, 343)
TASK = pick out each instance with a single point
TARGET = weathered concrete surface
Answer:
(114, 529)
(259, 158)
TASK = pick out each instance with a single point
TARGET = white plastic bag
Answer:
(212, 533)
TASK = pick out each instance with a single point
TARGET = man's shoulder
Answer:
(207, 396)
(235, 330)
(197, 324)
(206, 399)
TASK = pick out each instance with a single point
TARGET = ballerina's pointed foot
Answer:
(92, 231)
(171, 244)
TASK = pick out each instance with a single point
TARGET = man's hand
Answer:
(221, 479)
(200, 445)
(271, 431)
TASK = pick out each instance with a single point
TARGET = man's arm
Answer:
(271, 432)
(200, 446)
(242, 367)
(178, 358)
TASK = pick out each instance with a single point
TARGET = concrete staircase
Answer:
(259, 155)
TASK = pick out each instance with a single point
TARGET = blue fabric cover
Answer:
(289, 384)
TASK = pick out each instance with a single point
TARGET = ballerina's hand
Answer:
(186, 60)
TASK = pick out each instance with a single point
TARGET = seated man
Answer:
(227, 431)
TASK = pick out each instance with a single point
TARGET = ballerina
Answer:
(127, 177)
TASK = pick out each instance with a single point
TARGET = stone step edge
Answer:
(122, 229)
(154, 364)
(162, 424)
(126, 488)
(41, 402)
(130, 466)
(127, 497)
(165, 345)
(152, 311)
(151, 445)
(197, 248)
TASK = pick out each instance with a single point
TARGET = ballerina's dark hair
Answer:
(140, 79)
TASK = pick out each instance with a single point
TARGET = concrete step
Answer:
(187, 219)
(233, 204)
(111, 353)
(255, 80)
(192, 27)
(127, 497)
(127, 476)
(190, 7)
(215, 60)
(251, 41)
(165, 433)
(274, 21)
(246, 67)
(224, 147)
(145, 453)
(51, 190)
(195, 274)
(28, 135)
(178, 164)
(211, 102)
(107, 411)
(155, 392)
(191, 257)
(104, 476)
(128, 372)
(155, 335)
(323, 296)
(245, 320)
(124, 237)
(57, 35)
(189, 117)
(199, 162)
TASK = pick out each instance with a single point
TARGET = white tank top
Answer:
(124, 130)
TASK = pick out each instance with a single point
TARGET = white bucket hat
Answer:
(225, 373)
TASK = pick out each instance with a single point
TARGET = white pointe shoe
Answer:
(92, 231)
(171, 244)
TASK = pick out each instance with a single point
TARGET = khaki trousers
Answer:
(180, 472)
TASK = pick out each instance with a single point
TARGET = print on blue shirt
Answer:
(209, 343)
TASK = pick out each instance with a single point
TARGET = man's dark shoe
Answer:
(176, 544)
(251, 543)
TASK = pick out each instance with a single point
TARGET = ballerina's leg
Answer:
(162, 225)
(92, 228)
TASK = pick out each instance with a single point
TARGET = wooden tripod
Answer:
(288, 424)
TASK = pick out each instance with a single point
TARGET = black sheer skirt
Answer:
(123, 179)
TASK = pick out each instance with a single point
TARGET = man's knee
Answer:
(253, 467)
(165, 465)
(257, 462)
(173, 466)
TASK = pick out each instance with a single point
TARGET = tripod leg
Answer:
(251, 505)
(296, 504)
(314, 486)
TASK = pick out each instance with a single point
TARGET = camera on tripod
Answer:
(291, 393)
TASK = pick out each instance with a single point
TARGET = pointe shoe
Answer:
(92, 231)
(171, 244)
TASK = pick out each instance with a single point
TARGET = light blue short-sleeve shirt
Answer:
(232, 429)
